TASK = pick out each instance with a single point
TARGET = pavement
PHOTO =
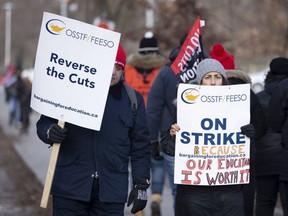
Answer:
(36, 155)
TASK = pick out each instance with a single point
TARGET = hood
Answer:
(147, 61)
(272, 82)
(238, 74)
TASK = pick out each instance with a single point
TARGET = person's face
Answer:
(116, 75)
(212, 78)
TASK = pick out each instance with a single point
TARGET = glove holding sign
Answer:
(56, 134)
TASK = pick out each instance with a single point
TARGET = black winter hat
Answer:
(279, 65)
(148, 44)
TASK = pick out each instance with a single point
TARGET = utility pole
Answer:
(8, 11)
(149, 23)
(63, 7)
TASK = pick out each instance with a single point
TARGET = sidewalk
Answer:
(20, 189)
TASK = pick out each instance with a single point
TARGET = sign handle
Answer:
(51, 170)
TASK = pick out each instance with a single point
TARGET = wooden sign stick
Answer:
(51, 170)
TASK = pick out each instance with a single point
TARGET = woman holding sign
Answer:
(193, 200)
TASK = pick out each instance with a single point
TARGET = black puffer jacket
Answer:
(278, 119)
(269, 149)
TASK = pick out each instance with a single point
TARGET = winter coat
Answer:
(258, 120)
(87, 153)
(161, 109)
(141, 70)
(257, 115)
(278, 119)
(269, 149)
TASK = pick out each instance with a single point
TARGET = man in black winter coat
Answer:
(91, 176)
(269, 149)
(278, 120)
(258, 120)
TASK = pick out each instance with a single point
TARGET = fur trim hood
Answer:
(147, 61)
(239, 75)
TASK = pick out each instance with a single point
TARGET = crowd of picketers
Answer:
(101, 157)
(268, 168)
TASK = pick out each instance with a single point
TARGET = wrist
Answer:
(143, 185)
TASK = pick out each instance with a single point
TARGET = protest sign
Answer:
(210, 148)
(190, 54)
(73, 69)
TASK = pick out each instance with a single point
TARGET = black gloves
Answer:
(56, 134)
(138, 196)
(155, 151)
(248, 130)
(168, 144)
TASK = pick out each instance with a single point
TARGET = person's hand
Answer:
(248, 130)
(138, 196)
(168, 144)
(155, 151)
(174, 129)
(56, 134)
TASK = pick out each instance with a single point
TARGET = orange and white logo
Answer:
(190, 95)
(55, 26)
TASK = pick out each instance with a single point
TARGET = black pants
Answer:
(209, 200)
(267, 191)
(69, 207)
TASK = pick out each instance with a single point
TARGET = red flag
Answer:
(191, 53)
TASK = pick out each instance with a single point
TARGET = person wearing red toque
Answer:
(225, 58)
(92, 175)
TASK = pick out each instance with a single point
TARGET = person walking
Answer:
(269, 149)
(160, 115)
(13, 91)
(234, 76)
(142, 67)
(277, 115)
(140, 72)
(194, 200)
(91, 176)
(258, 120)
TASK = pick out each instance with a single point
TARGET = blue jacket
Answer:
(161, 109)
(107, 152)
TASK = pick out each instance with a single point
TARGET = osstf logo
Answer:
(190, 95)
(55, 26)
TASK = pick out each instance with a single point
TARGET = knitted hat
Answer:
(279, 65)
(121, 57)
(226, 59)
(148, 44)
(209, 65)
(103, 24)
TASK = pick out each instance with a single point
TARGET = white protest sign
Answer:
(210, 148)
(73, 69)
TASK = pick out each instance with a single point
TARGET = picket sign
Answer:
(51, 170)
(57, 66)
